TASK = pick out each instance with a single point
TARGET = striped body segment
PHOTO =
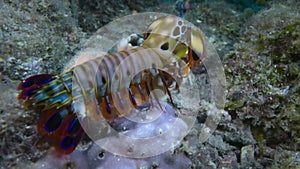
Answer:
(98, 88)
(121, 81)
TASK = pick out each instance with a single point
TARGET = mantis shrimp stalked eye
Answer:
(177, 36)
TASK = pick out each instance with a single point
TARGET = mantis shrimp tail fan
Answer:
(50, 95)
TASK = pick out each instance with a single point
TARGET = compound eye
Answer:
(181, 51)
(197, 45)
(195, 56)
(147, 34)
(165, 46)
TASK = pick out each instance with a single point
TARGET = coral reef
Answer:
(94, 14)
(220, 21)
(37, 36)
(18, 132)
(264, 79)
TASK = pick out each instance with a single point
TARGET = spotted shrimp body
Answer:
(110, 86)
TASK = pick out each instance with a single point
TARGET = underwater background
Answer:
(258, 42)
